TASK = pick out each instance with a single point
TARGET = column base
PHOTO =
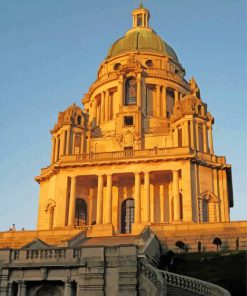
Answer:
(137, 228)
(100, 230)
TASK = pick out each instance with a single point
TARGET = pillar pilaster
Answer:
(205, 141)
(102, 107)
(197, 137)
(139, 89)
(10, 290)
(137, 198)
(68, 142)
(99, 214)
(22, 289)
(176, 95)
(186, 134)
(106, 105)
(109, 200)
(53, 149)
(147, 195)
(68, 288)
(192, 134)
(176, 206)
(164, 102)
(158, 101)
(72, 202)
(120, 90)
(211, 146)
(62, 142)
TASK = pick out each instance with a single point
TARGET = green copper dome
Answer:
(141, 39)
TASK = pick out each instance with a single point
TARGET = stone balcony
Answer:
(137, 155)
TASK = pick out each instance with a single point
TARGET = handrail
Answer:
(161, 279)
(192, 284)
(154, 276)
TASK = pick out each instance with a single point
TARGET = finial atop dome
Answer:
(141, 4)
(140, 16)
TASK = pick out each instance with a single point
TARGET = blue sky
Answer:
(49, 55)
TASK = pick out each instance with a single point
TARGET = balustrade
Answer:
(161, 279)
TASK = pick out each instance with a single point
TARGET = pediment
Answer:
(209, 195)
(36, 244)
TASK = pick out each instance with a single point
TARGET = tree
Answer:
(217, 241)
(181, 245)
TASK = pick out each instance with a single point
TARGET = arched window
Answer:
(127, 215)
(130, 91)
(79, 120)
(80, 212)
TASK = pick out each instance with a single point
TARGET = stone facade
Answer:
(141, 149)
(139, 155)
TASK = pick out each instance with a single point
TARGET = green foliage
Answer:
(217, 241)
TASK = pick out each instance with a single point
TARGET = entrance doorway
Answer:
(80, 212)
(127, 215)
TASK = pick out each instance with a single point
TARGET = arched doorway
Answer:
(80, 212)
(127, 215)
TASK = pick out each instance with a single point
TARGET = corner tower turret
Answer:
(68, 134)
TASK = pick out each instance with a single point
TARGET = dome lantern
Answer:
(140, 17)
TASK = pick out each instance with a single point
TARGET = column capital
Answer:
(137, 173)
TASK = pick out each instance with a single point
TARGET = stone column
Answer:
(211, 146)
(186, 134)
(137, 198)
(68, 142)
(94, 108)
(10, 290)
(147, 195)
(162, 203)
(99, 214)
(205, 138)
(73, 142)
(82, 141)
(53, 149)
(109, 200)
(120, 90)
(72, 202)
(176, 96)
(102, 107)
(107, 105)
(56, 150)
(157, 107)
(176, 206)
(67, 289)
(192, 134)
(164, 102)
(139, 89)
(197, 137)
(22, 289)
(62, 142)
(98, 115)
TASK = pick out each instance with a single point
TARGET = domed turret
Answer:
(141, 38)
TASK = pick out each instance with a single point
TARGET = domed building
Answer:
(140, 152)
(132, 172)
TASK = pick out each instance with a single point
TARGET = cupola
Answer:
(140, 17)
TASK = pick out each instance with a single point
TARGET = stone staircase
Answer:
(164, 283)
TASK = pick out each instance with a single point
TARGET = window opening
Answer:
(130, 92)
(128, 120)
